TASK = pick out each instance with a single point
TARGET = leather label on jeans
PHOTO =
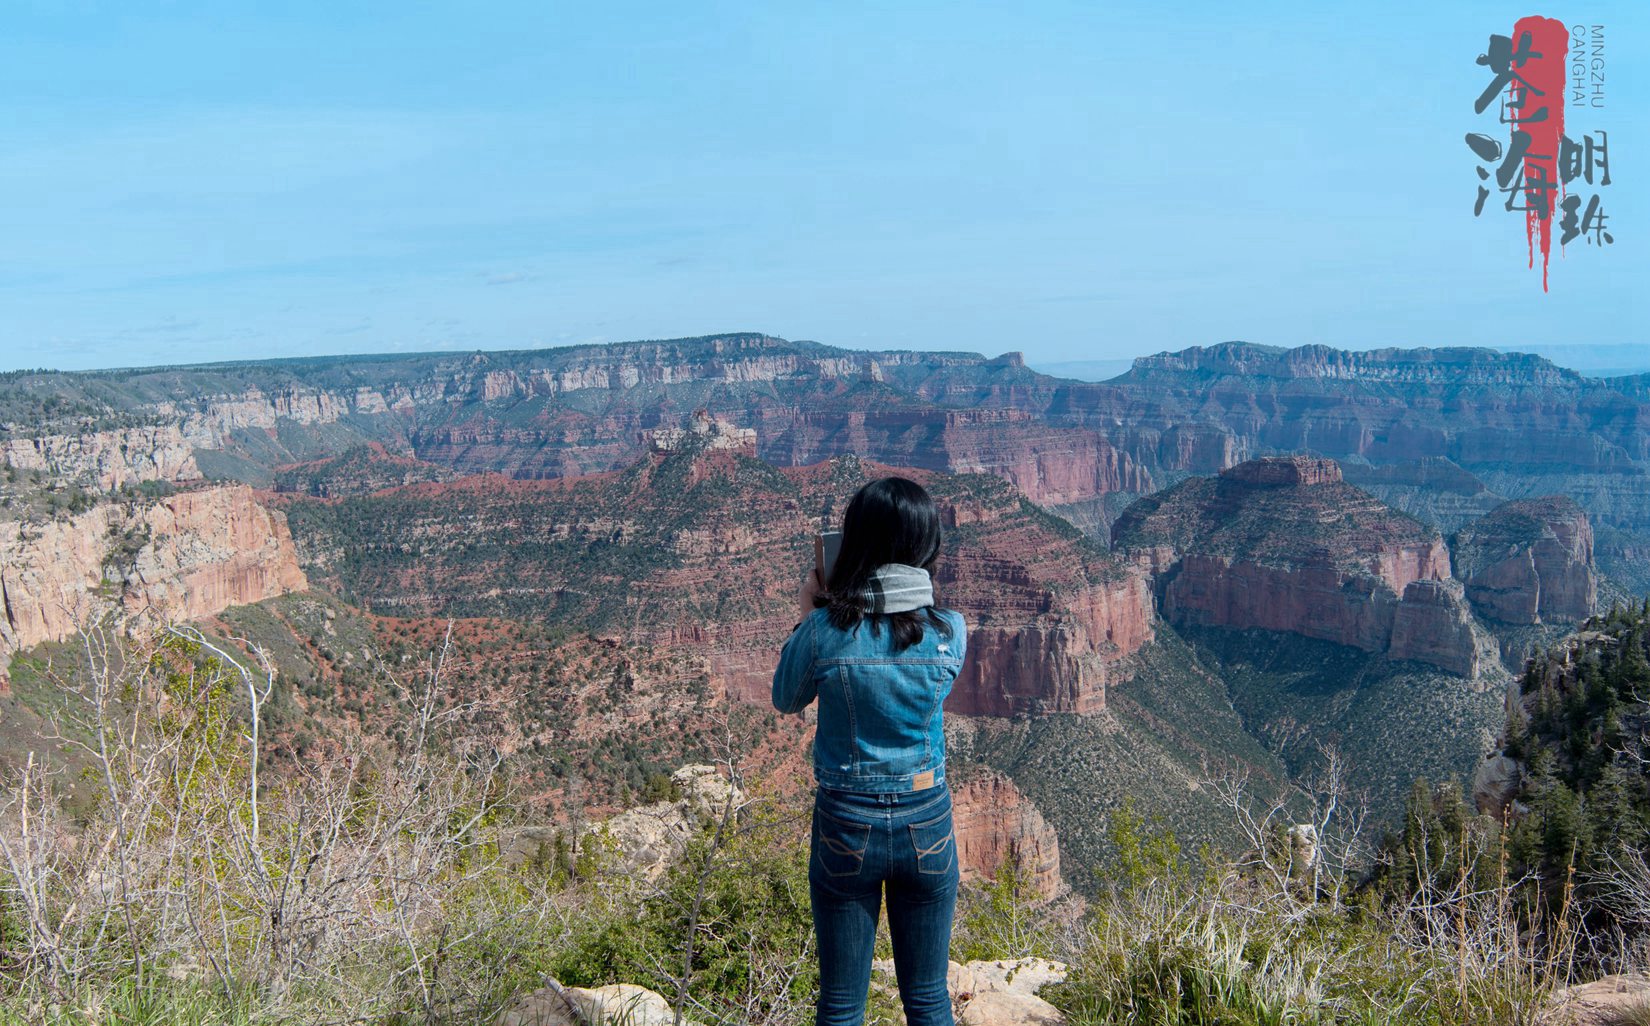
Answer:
(922, 781)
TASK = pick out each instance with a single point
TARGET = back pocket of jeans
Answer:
(839, 844)
(936, 844)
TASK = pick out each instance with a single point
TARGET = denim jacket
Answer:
(880, 728)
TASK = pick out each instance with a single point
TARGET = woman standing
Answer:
(880, 658)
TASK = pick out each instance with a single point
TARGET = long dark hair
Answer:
(889, 520)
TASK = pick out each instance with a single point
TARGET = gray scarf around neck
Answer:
(896, 588)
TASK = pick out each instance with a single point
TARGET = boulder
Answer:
(1603, 1002)
(1495, 784)
(1001, 1008)
(621, 1004)
(646, 840)
(991, 993)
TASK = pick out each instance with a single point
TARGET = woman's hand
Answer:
(810, 588)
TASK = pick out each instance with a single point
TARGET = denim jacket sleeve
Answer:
(793, 679)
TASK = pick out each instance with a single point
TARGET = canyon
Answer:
(622, 528)
(694, 548)
(1508, 426)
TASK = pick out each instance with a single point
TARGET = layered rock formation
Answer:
(188, 555)
(996, 823)
(1050, 464)
(1432, 624)
(1433, 489)
(1283, 544)
(662, 535)
(1515, 424)
(699, 549)
(1051, 619)
(1530, 562)
(703, 431)
(106, 459)
(213, 421)
(358, 471)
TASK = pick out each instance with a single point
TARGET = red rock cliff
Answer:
(186, 555)
(994, 822)
(1283, 544)
(1051, 621)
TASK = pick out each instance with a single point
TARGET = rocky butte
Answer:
(1530, 562)
(703, 432)
(1284, 544)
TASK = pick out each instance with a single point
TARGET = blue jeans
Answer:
(859, 842)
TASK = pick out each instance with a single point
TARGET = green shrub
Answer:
(740, 893)
(1003, 917)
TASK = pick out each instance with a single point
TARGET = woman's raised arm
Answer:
(793, 678)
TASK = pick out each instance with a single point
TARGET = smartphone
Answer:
(826, 545)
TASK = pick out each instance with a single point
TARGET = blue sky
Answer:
(193, 182)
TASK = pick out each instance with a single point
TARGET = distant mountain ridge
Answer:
(1515, 424)
(1447, 366)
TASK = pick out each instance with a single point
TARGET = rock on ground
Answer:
(648, 838)
(619, 1004)
(992, 993)
(1000, 993)
(1603, 1002)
